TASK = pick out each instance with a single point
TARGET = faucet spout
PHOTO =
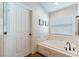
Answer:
(68, 43)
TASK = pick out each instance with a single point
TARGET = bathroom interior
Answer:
(39, 29)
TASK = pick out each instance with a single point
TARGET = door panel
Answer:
(23, 40)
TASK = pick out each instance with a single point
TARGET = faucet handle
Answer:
(65, 48)
(74, 48)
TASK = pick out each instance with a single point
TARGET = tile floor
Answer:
(35, 55)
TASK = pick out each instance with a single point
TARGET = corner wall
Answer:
(39, 33)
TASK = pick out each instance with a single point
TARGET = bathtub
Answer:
(56, 48)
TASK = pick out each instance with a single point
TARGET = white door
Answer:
(22, 31)
(18, 39)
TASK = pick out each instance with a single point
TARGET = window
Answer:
(62, 26)
(62, 22)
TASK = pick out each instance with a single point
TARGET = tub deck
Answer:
(55, 48)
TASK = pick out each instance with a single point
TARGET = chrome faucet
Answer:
(68, 43)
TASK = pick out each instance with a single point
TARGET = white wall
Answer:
(1, 18)
(77, 28)
(1, 29)
(39, 33)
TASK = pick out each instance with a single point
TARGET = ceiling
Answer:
(51, 6)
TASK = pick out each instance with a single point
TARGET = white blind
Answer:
(62, 21)
(62, 25)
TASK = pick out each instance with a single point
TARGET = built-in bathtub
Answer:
(53, 47)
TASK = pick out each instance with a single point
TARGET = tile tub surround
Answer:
(72, 39)
(57, 48)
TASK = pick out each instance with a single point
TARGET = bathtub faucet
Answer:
(68, 43)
